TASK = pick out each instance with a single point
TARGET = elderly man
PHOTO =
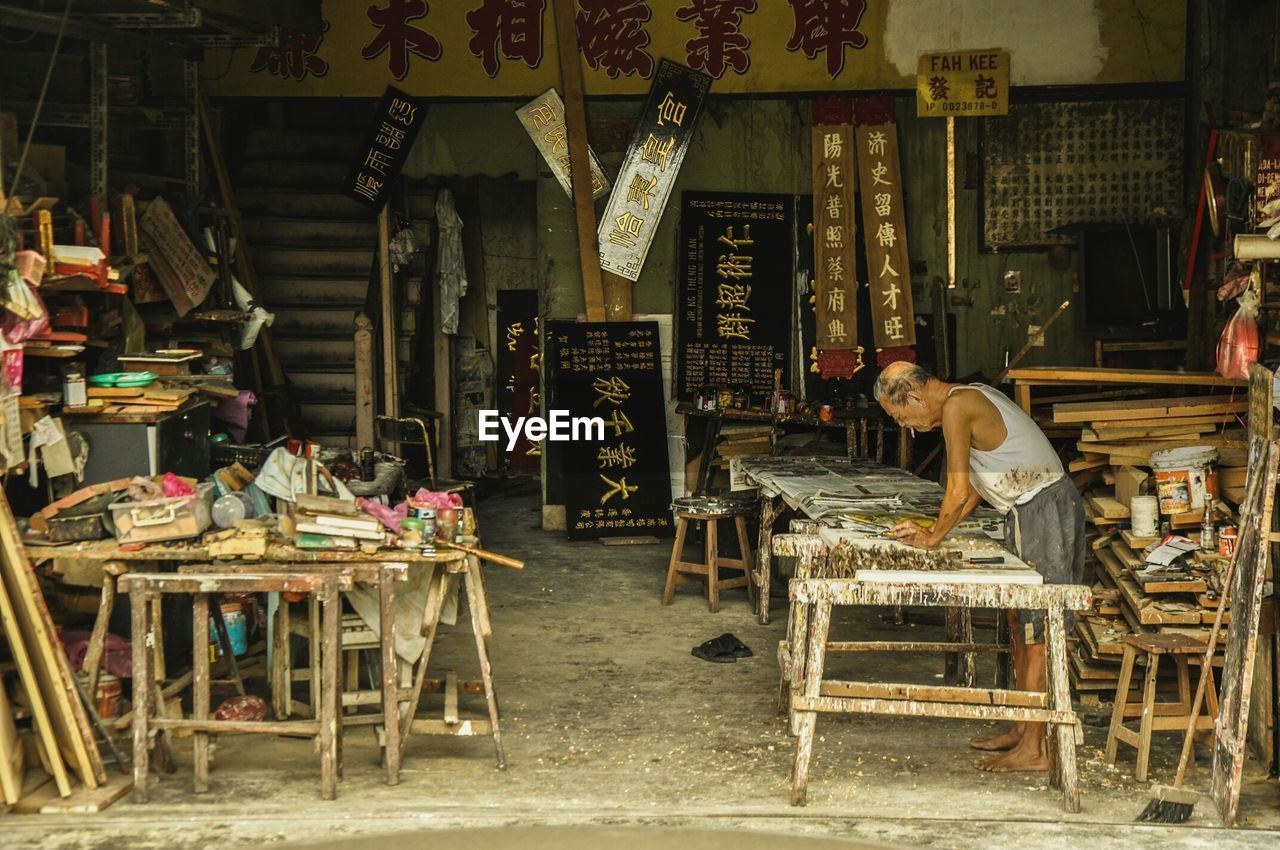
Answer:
(996, 453)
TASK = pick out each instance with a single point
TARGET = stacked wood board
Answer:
(59, 724)
(1110, 463)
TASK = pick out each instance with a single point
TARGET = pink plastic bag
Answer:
(1238, 346)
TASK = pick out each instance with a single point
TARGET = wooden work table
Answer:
(283, 562)
(858, 423)
(805, 691)
(279, 552)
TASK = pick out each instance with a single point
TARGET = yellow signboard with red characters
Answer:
(967, 82)
(508, 48)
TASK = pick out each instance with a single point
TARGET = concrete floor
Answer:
(608, 721)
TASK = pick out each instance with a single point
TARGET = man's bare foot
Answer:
(1003, 741)
(1024, 758)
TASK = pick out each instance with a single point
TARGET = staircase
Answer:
(313, 250)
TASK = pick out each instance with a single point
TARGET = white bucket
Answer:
(1184, 477)
(1144, 516)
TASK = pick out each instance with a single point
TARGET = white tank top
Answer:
(1021, 466)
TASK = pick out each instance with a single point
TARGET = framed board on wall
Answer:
(734, 296)
(1048, 167)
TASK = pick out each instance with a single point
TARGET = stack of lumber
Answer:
(744, 439)
(44, 713)
(1110, 465)
(155, 398)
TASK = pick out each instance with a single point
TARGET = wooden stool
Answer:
(1157, 716)
(710, 511)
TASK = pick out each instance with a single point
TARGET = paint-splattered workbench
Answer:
(803, 656)
(843, 558)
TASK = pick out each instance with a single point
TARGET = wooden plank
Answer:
(575, 116)
(84, 801)
(1213, 420)
(451, 697)
(1087, 462)
(1149, 409)
(1105, 505)
(1111, 435)
(1100, 375)
(933, 693)
(50, 671)
(11, 752)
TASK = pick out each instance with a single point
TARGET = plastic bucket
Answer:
(1144, 516)
(1184, 478)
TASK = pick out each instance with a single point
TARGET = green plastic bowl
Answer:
(123, 379)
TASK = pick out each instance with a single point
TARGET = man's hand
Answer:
(913, 535)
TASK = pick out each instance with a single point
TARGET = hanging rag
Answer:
(451, 272)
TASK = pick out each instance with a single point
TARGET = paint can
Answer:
(1184, 478)
(237, 629)
(1144, 516)
(825, 412)
(1227, 540)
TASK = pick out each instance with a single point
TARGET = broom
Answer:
(1173, 803)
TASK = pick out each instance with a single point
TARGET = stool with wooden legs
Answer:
(1156, 716)
(710, 511)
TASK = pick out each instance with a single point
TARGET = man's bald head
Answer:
(897, 380)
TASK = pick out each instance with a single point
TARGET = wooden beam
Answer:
(388, 323)
(366, 403)
(575, 117)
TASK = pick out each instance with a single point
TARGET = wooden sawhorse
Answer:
(811, 694)
(443, 579)
(144, 588)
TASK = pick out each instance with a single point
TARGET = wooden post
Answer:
(575, 117)
(365, 397)
(389, 325)
(951, 202)
(92, 665)
(200, 688)
(1060, 701)
(390, 677)
(819, 626)
(141, 634)
(327, 711)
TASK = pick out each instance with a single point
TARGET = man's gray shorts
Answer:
(1048, 533)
